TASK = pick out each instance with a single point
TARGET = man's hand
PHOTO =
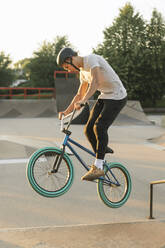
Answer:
(78, 105)
(60, 114)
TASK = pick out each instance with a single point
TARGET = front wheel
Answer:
(42, 176)
(114, 190)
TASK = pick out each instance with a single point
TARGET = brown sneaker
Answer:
(93, 173)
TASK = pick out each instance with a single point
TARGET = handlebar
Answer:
(71, 115)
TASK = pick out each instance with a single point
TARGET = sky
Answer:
(25, 24)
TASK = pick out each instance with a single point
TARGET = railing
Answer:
(151, 196)
(66, 73)
(9, 92)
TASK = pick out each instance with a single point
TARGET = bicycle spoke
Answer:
(116, 188)
(43, 173)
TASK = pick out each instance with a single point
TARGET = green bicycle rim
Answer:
(101, 189)
(32, 181)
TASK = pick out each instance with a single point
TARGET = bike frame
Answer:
(66, 143)
(68, 140)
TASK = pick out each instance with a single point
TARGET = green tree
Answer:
(21, 69)
(123, 47)
(128, 48)
(6, 73)
(155, 57)
(42, 65)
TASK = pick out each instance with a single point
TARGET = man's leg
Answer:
(107, 116)
(110, 110)
(88, 130)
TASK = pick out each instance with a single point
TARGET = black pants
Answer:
(101, 118)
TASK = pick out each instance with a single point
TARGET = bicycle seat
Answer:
(109, 150)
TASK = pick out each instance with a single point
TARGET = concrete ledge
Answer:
(27, 108)
(124, 235)
(154, 110)
(163, 121)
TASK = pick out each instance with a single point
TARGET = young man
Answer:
(95, 74)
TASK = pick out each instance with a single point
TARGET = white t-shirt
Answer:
(111, 86)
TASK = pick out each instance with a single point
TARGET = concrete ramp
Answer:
(133, 114)
(66, 89)
(27, 108)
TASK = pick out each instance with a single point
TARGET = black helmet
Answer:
(64, 54)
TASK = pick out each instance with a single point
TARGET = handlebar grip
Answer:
(82, 104)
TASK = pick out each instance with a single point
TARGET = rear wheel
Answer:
(115, 190)
(41, 176)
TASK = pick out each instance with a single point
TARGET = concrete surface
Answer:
(78, 218)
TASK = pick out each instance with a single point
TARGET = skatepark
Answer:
(79, 218)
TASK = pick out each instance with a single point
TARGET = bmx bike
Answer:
(50, 172)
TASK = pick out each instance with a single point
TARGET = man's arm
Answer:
(78, 97)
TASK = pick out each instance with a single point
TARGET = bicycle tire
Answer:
(38, 172)
(115, 196)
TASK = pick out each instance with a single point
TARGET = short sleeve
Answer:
(93, 61)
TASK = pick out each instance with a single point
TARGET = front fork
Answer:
(58, 160)
(60, 156)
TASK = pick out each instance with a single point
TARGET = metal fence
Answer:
(10, 92)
